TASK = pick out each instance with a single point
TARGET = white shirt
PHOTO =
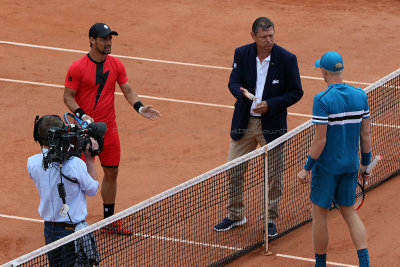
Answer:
(262, 70)
(46, 182)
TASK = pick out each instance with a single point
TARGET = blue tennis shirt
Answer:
(342, 107)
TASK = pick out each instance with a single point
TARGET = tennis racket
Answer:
(360, 190)
(70, 118)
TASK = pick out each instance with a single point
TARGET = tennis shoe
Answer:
(227, 224)
(272, 232)
(116, 227)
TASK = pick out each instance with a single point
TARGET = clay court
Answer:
(178, 56)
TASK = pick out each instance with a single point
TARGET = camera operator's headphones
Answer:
(38, 121)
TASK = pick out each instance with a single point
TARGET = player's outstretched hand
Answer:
(304, 176)
(150, 113)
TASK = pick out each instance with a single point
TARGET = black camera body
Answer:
(71, 140)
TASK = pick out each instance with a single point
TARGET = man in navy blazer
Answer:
(265, 81)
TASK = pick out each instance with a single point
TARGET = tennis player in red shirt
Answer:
(89, 93)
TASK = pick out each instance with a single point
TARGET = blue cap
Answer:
(331, 61)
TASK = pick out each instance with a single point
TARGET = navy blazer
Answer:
(282, 89)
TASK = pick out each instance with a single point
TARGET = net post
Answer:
(266, 251)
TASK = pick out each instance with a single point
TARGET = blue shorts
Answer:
(327, 188)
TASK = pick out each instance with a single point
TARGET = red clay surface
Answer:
(190, 139)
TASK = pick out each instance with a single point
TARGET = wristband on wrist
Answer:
(309, 163)
(79, 113)
(137, 106)
(365, 158)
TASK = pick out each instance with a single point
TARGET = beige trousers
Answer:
(235, 181)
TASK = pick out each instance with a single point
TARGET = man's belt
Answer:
(62, 224)
(256, 117)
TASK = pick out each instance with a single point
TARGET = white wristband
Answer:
(140, 109)
(87, 121)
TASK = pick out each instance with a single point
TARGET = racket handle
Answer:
(372, 164)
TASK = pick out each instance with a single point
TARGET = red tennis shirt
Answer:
(95, 85)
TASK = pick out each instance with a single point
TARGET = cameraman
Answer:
(82, 181)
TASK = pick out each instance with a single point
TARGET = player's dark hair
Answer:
(262, 23)
(42, 125)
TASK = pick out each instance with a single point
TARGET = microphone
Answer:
(97, 129)
(61, 191)
(272, 63)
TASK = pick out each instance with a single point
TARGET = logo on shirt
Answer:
(275, 81)
(101, 79)
(70, 78)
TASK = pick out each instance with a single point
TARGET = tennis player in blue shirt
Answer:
(341, 115)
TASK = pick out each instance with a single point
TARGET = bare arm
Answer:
(365, 143)
(365, 136)
(318, 143)
(316, 149)
(131, 96)
(69, 100)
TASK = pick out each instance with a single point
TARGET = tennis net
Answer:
(175, 228)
